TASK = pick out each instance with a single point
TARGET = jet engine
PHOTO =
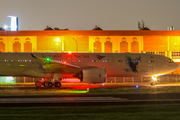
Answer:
(92, 75)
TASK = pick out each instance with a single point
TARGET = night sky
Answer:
(85, 14)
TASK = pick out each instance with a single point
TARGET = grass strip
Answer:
(136, 90)
(127, 112)
(94, 90)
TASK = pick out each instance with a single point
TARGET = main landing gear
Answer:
(48, 84)
(154, 79)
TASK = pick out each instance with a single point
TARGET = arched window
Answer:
(108, 47)
(17, 47)
(134, 47)
(97, 46)
(27, 39)
(27, 45)
(123, 39)
(97, 39)
(123, 45)
(2, 45)
(108, 39)
(16, 39)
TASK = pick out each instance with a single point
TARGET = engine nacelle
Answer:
(92, 75)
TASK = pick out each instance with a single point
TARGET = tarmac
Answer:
(88, 99)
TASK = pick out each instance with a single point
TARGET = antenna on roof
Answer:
(141, 26)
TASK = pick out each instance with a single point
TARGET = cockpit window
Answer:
(170, 61)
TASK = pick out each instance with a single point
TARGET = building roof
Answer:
(91, 33)
(1, 29)
(145, 28)
(48, 28)
(97, 28)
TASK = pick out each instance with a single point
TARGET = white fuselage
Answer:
(115, 64)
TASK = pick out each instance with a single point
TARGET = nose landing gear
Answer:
(154, 80)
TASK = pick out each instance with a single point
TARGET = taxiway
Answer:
(85, 99)
(90, 99)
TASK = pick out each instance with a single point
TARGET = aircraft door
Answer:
(111, 61)
(158, 64)
(153, 63)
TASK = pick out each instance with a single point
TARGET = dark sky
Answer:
(85, 14)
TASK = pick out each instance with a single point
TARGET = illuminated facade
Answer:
(156, 42)
(166, 43)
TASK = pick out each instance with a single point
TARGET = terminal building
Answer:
(166, 43)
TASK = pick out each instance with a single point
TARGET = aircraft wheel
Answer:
(38, 84)
(153, 83)
(43, 83)
(49, 84)
(57, 84)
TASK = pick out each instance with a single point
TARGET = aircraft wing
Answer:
(52, 65)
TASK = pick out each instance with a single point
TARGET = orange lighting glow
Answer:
(154, 78)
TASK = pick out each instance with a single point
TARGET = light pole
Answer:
(76, 44)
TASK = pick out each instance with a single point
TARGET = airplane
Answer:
(88, 67)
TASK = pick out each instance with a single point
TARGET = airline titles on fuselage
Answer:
(64, 56)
